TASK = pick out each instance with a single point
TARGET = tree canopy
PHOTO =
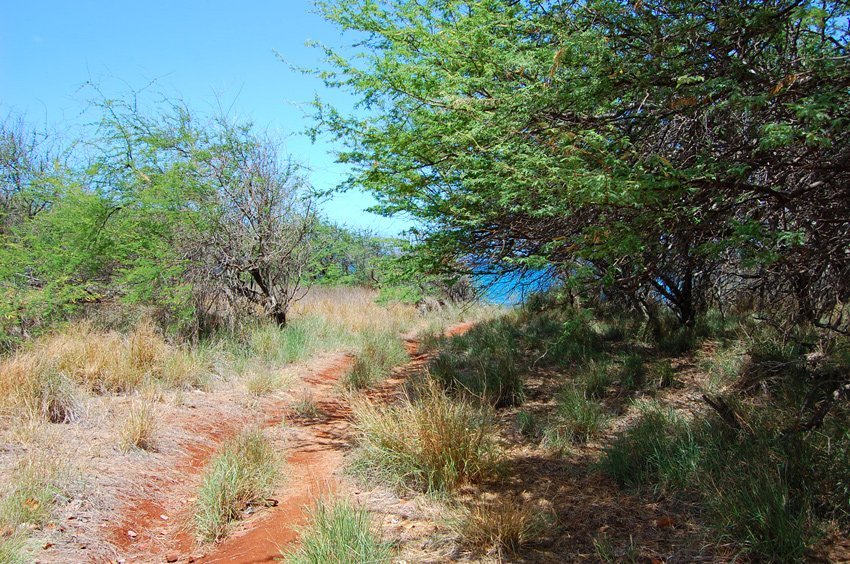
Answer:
(677, 153)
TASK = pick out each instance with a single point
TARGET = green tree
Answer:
(661, 150)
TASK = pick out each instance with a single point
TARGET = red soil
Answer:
(314, 464)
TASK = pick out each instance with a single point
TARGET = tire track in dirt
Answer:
(315, 460)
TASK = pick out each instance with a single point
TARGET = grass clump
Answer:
(485, 363)
(659, 448)
(597, 379)
(30, 495)
(242, 474)
(578, 417)
(527, 424)
(763, 489)
(379, 354)
(432, 443)
(31, 387)
(12, 549)
(263, 381)
(140, 427)
(42, 378)
(339, 532)
(633, 372)
(503, 526)
(306, 407)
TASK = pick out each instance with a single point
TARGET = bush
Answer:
(431, 443)
(339, 533)
(243, 473)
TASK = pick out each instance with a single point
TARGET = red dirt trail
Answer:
(315, 452)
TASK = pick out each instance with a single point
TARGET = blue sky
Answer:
(209, 53)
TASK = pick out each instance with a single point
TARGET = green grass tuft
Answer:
(242, 474)
(339, 533)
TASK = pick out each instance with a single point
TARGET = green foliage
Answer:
(338, 533)
(610, 142)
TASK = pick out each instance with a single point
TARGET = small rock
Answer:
(164, 517)
(132, 534)
(172, 557)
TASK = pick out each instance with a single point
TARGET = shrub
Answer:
(432, 443)
(243, 473)
(380, 353)
(339, 533)
(140, 427)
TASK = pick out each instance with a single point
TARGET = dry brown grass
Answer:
(355, 309)
(432, 443)
(140, 427)
(503, 525)
(45, 379)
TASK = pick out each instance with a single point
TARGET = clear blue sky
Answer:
(208, 53)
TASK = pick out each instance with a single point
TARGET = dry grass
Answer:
(44, 379)
(263, 381)
(140, 427)
(503, 526)
(355, 310)
(431, 443)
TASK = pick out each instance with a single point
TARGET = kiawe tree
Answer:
(670, 152)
